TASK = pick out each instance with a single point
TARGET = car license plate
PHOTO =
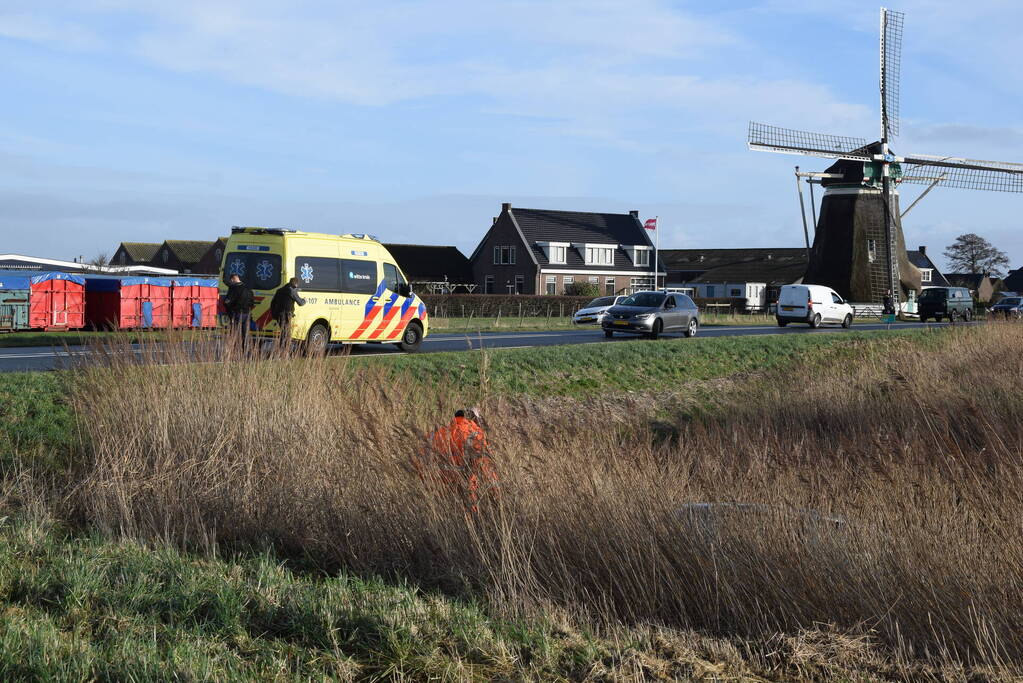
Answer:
(621, 322)
(586, 320)
(786, 308)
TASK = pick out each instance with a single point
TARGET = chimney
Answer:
(495, 219)
(506, 206)
(634, 213)
(923, 250)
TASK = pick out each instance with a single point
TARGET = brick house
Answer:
(134, 253)
(540, 251)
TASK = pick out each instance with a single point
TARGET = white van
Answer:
(812, 304)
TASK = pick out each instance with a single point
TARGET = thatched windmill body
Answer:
(858, 246)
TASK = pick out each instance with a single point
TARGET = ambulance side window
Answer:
(393, 277)
(358, 277)
(317, 274)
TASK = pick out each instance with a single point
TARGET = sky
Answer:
(139, 120)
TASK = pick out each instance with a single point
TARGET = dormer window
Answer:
(925, 274)
(597, 254)
(556, 252)
(600, 256)
(640, 255)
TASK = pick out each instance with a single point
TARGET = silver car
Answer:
(593, 312)
(651, 313)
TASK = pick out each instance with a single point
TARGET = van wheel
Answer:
(815, 321)
(655, 332)
(411, 338)
(953, 316)
(782, 323)
(317, 339)
(923, 318)
(691, 330)
(609, 333)
(967, 315)
(847, 321)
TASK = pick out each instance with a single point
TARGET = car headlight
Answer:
(643, 316)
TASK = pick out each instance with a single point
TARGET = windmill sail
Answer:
(765, 138)
(970, 174)
(891, 64)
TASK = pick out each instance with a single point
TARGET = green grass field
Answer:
(642, 365)
(77, 604)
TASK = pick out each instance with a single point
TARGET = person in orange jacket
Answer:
(462, 460)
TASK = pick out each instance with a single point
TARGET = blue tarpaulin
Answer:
(24, 279)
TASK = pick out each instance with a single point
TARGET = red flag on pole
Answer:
(651, 224)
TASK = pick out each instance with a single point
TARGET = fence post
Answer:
(561, 310)
(497, 323)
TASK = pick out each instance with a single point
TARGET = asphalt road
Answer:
(20, 359)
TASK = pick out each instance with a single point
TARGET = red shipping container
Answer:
(56, 300)
(194, 302)
(128, 303)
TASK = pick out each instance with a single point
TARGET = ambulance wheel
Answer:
(411, 338)
(316, 340)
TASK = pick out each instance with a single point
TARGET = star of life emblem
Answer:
(265, 270)
(237, 267)
(306, 273)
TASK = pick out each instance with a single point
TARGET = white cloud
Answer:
(40, 29)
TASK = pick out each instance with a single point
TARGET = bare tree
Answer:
(972, 253)
(100, 260)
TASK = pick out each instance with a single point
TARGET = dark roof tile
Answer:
(430, 263)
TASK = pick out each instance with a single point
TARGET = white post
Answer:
(657, 247)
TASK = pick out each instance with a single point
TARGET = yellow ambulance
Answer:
(355, 293)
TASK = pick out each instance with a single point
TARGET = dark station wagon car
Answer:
(950, 303)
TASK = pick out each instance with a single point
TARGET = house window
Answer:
(594, 280)
(552, 284)
(488, 285)
(609, 286)
(640, 283)
(520, 284)
(558, 254)
(735, 292)
(711, 291)
(600, 256)
(925, 274)
(504, 255)
(567, 280)
(642, 257)
(871, 250)
(166, 255)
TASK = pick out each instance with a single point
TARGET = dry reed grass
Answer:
(888, 489)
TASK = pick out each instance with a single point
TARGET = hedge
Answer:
(488, 305)
(537, 305)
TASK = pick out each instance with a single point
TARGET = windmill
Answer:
(858, 247)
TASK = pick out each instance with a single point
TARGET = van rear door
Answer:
(792, 301)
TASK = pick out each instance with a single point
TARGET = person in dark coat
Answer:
(889, 303)
(238, 303)
(282, 307)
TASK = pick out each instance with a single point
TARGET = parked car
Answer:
(651, 313)
(593, 312)
(813, 305)
(953, 303)
(1008, 307)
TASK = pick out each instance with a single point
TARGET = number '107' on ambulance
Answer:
(355, 292)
